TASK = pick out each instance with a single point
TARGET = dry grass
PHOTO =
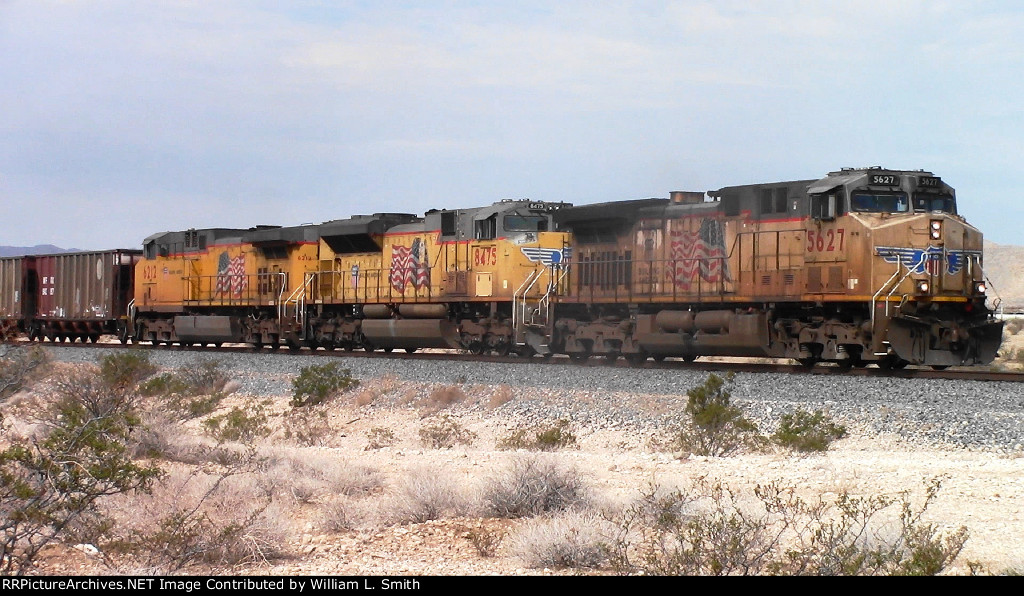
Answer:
(571, 539)
(502, 395)
(353, 472)
(425, 494)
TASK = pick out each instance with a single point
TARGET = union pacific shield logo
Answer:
(927, 260)
(548, 256)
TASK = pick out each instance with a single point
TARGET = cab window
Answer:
(929, 202)
(880, 202)
(525, 223)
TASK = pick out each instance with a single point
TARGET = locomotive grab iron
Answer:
(863, 266)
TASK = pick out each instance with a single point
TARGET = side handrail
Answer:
(520, 295)
(874, 298)
(988, 284)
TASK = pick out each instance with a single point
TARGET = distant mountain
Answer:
(1004, 264)
(39, 249)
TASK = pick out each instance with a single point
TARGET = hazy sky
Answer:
(119, 119)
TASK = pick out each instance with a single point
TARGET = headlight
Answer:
(922, 286)
(936, 229)
(979, 287)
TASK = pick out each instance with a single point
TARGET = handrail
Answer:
(988, 283)
(893, 290)
(520, 292)
(874, 298)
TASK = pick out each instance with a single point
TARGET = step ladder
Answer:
(294, 306)
(532, 318)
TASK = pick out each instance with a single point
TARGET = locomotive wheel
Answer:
(807, 362)
(410, 350)
(940, 366)
(611, 358)
(636, 359)
(579, 356)
(690, 357)
(659, 357)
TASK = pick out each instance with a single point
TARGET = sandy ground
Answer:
(982, 491)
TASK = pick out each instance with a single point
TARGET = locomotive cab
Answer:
(922, 270)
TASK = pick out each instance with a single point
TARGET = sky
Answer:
(120, 119)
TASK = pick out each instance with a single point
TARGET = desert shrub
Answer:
(804, 431)
(54, 483)
(308, 427)
(711, 530)
(318, 382)
(444, 432)
(307, 478)
(191, 391)
(18, 366)
(244, 424)
(486, 540)
(567, 540)
(342, 513)
(502, 395)
(543, 438)
(444, 396)
(204, 377)
(716, 427)
(531, 486)
(163, 384)
(1013, 326)
(198, 518)
(424, 495)
(126, 368)
(379, 437)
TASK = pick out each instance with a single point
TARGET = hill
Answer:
(1004, 264)
(39, 249)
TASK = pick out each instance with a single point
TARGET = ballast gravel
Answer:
(959, 413)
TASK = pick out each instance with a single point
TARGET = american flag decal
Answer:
(231, 275)
(409, 266)
(699, 253)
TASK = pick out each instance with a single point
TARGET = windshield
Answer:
(526, 223)
(880, 202)
(930, 202)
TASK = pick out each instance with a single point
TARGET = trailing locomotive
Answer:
(448, 279)
(862, 266)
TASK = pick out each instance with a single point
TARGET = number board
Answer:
(885, 180)
(929, 181)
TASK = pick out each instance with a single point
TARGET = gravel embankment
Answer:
(961, 413)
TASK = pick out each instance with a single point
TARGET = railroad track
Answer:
(667, 364)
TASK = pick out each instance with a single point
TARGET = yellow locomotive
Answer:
(448, 279)
(862, 266)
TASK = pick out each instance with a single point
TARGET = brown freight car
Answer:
(12, 296)
(79, 295)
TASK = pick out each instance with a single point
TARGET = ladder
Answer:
(297, 301)
(532, 318)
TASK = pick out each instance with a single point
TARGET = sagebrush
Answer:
(317, 382)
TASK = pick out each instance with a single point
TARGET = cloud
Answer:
(299, 111)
